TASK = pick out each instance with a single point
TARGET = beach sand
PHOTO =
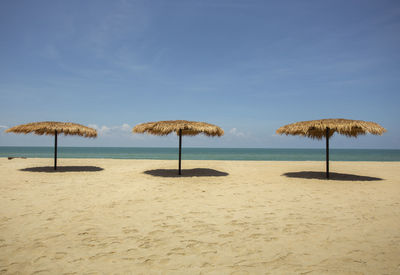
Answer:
(227, 217)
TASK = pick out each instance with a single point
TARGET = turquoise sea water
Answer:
(203, 153)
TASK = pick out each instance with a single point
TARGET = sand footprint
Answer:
(203, 265)
(59, 255)
(39, 258)
(176, 251)
(76, 260)
(41, 271)
(101, 255)
(155, 232)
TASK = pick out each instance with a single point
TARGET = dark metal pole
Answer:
(327, 152)
(180, 149)
(55, 151)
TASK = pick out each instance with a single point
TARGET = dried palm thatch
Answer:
(52, 127)
(188, 128)
(317, 129)
(181, 128)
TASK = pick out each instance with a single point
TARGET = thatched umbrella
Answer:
(181, 128)
(327, 127)
(54, 128)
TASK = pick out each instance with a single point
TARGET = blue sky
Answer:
(247, 66)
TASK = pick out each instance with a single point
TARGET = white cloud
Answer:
(235, 132)
(104, 130)
(126, 127)
(101, 130)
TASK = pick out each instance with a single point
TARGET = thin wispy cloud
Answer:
(235, 132)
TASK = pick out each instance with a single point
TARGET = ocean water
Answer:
(203, 153)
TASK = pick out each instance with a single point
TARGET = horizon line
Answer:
(307, 148)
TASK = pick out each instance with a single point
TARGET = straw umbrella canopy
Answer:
(326, 128)
(181, 128)
(54, 128)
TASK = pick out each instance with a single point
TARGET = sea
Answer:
(251, 154)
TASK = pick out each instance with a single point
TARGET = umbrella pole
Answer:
(180, 150)
(55, 150)
(327, 152)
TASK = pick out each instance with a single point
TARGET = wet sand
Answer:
(220, 217)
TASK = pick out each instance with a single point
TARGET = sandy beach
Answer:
(221, 217)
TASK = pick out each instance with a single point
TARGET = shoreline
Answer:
(200, 160)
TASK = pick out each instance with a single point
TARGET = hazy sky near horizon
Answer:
(247, 66)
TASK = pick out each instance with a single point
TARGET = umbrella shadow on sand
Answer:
(50, 169)
(333, 176)
(196, 172)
